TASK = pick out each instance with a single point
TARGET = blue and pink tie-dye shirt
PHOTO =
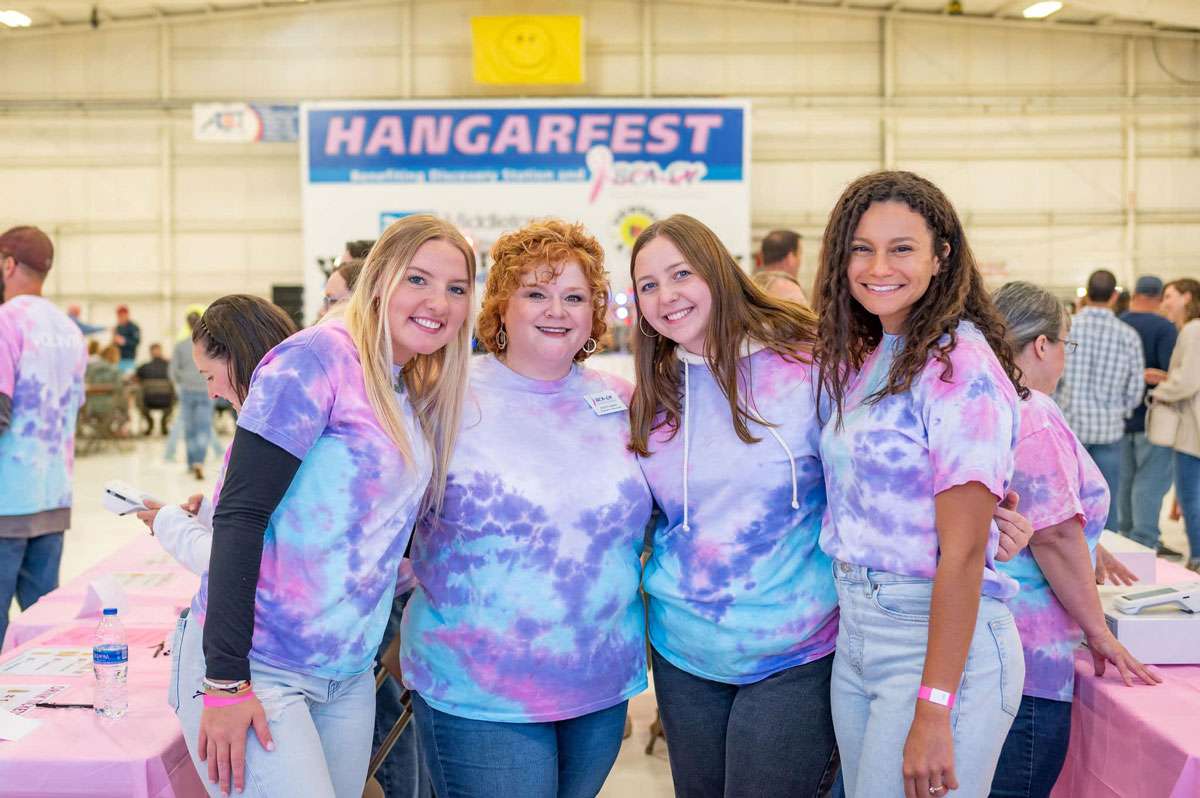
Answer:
(42, 360)
(1057, 481)
(333, 546)
(889, 459)
(527, 606)
(743, 591)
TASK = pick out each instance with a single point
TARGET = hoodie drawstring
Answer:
(792, 463)
(687, 396)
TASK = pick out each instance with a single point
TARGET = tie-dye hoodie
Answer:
(527, 607)
(333, 545)
(889, 458)
(738, 588)
(1057, 481)
(42, 359)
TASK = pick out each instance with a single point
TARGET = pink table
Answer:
(155, 606)
(76, 753)
(1135, 742)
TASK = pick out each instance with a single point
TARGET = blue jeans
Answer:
(28, 571)
(771, 737)
(403, 773)
(483, 759)
(197, 416)
(881, 646)
(1108, 460)
(1187, 490)
(321, 728)
(1145, 480)
(1035, 750)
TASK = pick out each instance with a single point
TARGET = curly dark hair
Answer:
(848, 332)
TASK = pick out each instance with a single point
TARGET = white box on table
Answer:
(1158, 635)
(1133, 555)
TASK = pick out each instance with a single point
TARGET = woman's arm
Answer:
(1062, 554)
(1183, 381)
(963, 519)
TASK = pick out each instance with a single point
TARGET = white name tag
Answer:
(605, 402)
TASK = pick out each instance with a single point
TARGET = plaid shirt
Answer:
(1104, 378)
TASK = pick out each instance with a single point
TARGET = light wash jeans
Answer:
(196, 413)
(321, 728)
(1107, 457)
(1146, 473)
(1187, 490)
(881, 645)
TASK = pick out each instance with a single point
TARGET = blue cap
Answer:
(1148, 285)
(110, 610)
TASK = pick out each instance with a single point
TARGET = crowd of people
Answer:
(861, 536)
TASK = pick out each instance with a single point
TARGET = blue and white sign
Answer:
(242, 123)
(491, 166)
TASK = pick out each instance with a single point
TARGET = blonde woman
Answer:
(342, 440)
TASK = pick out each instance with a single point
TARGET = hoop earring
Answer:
(643, 329)
(501, 339)
(592, 343)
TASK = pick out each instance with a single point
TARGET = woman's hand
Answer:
(223, 741)
(1015, 529)
(1106, 648)
(929, 753)
(1154, 376)
(1109, 568)
(192, 505)
(148, 515)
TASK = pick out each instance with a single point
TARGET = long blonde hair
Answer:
(436, 384)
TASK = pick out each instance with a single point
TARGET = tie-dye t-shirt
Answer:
(744, 591)
(42, 360)
(333, 545)
(527, 607)
(1057, 480)
(889, 459)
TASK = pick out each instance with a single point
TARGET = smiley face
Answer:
(526, 46)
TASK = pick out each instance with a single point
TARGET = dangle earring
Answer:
(651, 334)
(501, 339)
(589, 346)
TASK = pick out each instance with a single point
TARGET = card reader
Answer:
(1186, 596)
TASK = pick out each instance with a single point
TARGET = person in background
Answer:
(1067, 501)
(1121, 306)
(1181, 385)
(1146, 469)
(196, 407)
(917, 455)
(340, 285)
(356, 250)
(155, 390)
(780, 251)
(127, 335)
(42, 360)
(1105, 381)
(73, 312)
(781, 286)
(524, 639)
(93, 352)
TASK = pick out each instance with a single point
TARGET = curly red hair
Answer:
(541, 247)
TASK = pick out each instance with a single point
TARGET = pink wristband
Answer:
(225, 701)
(936, 696)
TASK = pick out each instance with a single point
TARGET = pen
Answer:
(52, 705)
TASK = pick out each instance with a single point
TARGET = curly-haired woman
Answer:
(523, 641)
(917, 454)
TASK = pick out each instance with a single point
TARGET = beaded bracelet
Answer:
(233, 688)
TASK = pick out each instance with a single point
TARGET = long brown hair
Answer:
(740, 310)
(240, 329)
(1186, 285)
(848, 332)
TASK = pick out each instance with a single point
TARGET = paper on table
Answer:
(20, 698)
(14, 727)
(102, 592)
(74, 661)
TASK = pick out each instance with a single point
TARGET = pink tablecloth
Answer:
(1135, 742)
(76, 753)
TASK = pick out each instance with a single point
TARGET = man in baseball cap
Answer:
(1146, 468)
(42, 359)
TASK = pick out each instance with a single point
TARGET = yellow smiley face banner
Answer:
(527, 49)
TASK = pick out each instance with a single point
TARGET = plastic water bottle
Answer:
(110, 661)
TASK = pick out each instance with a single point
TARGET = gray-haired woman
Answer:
(1065, 497)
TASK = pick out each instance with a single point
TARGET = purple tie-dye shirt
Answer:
(1057, 481)
(889, 459)
(527, 607)
(42, 359)
(333, 545)
(744, 591)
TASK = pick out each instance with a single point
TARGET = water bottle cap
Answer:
(110, 610)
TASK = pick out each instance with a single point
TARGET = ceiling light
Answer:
(1041, 10)
(14, 19)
